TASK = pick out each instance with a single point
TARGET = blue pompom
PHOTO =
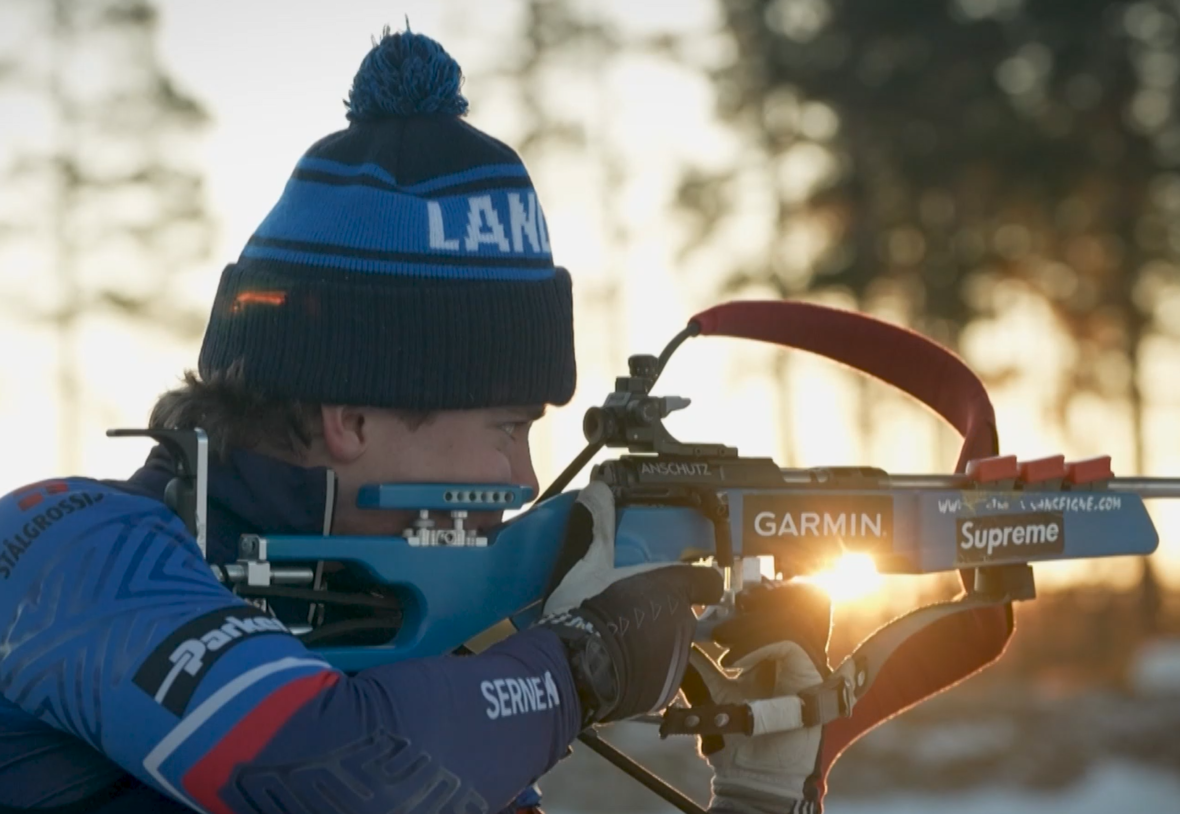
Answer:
(406, 74)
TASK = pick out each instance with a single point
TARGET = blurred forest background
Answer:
(1001, 175)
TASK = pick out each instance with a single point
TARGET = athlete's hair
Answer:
(236, 416)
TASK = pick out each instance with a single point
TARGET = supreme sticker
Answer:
(1008, 536)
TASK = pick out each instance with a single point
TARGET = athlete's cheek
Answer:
(522, 468)
(492, 466)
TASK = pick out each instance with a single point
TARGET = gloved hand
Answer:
(628, 631)
(779, 642)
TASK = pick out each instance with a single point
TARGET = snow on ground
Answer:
(1156, 671)
(1093, 755)
(1107, 788)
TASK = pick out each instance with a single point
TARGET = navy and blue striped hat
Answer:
(406, 264)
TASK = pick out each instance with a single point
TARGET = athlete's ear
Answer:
(345, 434)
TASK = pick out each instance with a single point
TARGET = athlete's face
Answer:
(365, 446)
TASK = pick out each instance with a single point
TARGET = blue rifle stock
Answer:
(803, 527)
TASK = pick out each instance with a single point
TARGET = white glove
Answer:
(780, 647)
(763, 772)
(596, 571)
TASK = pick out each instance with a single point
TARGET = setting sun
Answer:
(852, 577)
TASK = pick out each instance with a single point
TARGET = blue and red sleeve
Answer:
(117, 633)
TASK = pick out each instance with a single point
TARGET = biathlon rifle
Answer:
(680, 502)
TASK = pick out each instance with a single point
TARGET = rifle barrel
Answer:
(1144, 487)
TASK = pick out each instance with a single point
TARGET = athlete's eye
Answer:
(511, 427)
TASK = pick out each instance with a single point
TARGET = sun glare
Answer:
(852, 577)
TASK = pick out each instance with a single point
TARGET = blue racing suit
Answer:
(132, 681)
